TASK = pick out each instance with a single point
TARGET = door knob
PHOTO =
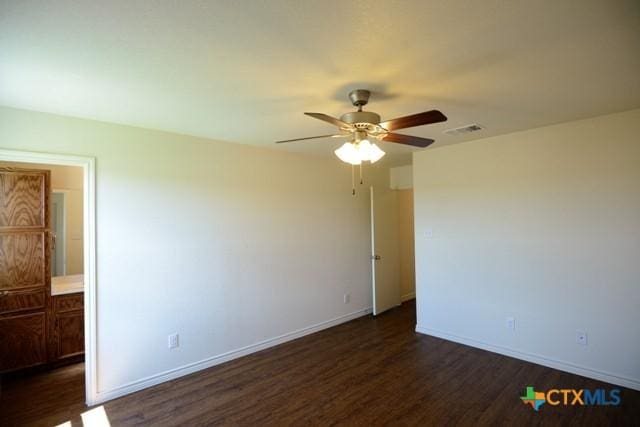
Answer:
(376, 257)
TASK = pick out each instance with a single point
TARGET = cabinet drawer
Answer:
(68, 302)
(16, 301)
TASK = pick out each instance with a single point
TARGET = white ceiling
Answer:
(244, 71)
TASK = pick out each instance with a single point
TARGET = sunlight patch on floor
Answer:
(95, 417)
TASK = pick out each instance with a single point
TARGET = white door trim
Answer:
(88, 165)
(373, 250)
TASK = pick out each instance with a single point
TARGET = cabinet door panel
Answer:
(70, 334)
(22, 341)
(22, 201)
(22, 258)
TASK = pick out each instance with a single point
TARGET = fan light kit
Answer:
(357, 152)
(362, 127)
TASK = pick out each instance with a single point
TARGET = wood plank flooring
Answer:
(370, 371)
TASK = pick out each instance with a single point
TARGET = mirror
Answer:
(66, 226)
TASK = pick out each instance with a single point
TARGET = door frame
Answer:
(373, 250)
(88, 165)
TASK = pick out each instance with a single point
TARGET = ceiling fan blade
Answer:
(426, 118)
(416, 141)
(328, 119)
(309, 137)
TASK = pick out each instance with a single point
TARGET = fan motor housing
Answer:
(361, 117)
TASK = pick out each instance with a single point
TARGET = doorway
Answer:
(74, 263)
(392, 247)
(406, 244)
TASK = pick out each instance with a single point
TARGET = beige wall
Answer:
(542, 226)
(67, 179)
(73, 232)
(401, 177)
(228, 245)
(406, 244)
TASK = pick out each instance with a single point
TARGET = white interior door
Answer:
(384, 250)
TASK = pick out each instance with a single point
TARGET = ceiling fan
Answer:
(363, 126)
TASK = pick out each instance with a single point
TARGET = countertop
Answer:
(62, 285)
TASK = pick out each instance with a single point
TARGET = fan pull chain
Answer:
(361, 181)
(353, 182)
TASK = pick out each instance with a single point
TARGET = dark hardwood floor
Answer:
(370, 371)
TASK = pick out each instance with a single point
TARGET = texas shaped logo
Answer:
(533, 398)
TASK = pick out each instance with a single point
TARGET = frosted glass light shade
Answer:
(348, 153)
(364, 150)
(375, 153)
(356, 153)
(369, 152)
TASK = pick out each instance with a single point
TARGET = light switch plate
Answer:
(428, 233)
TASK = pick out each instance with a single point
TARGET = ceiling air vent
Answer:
(463, 130)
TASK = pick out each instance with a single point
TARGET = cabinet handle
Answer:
(53, 240)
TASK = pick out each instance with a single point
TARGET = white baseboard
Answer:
(407, 297)
(535, 358)
(103, 396)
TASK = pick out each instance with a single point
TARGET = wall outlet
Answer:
(347, 298)
(173, 341)
(510, 323)
(428, 233)
(581, 337)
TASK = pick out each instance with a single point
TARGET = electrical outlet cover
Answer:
(511, 323)
(173, 341)
(581, 337)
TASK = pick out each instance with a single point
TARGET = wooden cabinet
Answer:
(31, 337)
(35, 328)
(67, 328)
(24, 268)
